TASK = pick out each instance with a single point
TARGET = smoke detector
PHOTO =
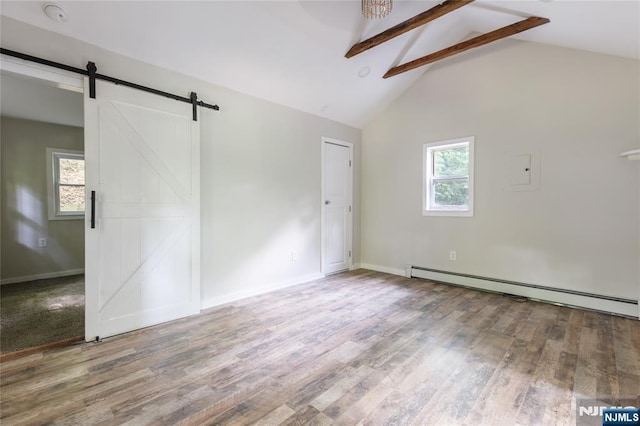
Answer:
(55, 12)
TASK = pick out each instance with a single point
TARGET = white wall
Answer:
(579, 110)
(260, 171)
(25, 218)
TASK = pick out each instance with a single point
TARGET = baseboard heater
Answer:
(573, 298)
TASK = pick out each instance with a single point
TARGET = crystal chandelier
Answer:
(373, 9)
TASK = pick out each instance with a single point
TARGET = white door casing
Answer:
(337, 198)
(142, 154)
(42, 73)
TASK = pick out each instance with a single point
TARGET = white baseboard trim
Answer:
(238, 295)
(385, 269)
(44, 276)
(544, 294)
(355, 266)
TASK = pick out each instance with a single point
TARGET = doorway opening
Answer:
(42, 291)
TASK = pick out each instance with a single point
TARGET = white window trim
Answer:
(54, 214)
(427, 148)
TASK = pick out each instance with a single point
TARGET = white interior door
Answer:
(337, 179)
(142, 155)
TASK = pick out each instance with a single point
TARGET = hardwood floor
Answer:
(358, 347)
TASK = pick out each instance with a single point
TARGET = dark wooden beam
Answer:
(408, 25)
(478, 41)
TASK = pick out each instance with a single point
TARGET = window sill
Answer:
(67, 217)
(450, 213)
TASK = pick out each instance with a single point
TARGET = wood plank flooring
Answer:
(355, 348)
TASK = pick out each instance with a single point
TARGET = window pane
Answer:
(71, 198)
(71, 171)
(451, 193)
(451, 162)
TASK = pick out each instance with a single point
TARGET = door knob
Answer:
(326, 202)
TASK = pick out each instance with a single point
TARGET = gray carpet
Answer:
(39, 312)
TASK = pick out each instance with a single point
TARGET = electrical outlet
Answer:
(42, 242)
(452, 255)
(294, 257)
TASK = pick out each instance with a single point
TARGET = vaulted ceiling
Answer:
(293, 52)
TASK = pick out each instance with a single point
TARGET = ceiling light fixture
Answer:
(55, 12)
(374, 9)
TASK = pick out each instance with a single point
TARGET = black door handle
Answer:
(93, 209)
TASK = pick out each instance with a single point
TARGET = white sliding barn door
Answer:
(336, 205)
(142, 155)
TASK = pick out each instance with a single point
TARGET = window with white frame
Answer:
(448, 178)
(65, 175)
